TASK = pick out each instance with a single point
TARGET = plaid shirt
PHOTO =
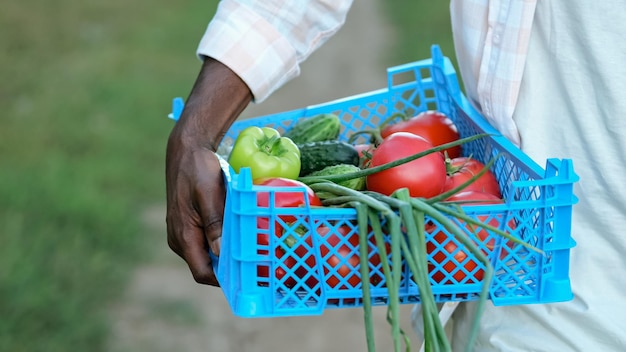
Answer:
(491, 41)
(265, 41)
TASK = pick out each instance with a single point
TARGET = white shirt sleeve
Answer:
(264, 42)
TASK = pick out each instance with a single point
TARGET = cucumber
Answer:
(323, 127)
(317, 155)
(357, 184)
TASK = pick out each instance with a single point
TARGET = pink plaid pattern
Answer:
(491, 41)
(264, 42)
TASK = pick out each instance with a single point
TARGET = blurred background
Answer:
(85, 90)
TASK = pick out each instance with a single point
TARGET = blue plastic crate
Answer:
(259, 283)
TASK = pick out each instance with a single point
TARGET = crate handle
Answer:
(177, 108)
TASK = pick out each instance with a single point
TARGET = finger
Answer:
(210, 198)
(195, 253)
(212, 222)
(187, 240)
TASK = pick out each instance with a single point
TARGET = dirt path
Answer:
(165, 310)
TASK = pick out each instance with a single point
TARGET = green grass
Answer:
(418, 24)
(86, 86)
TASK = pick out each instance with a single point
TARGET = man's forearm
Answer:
(216, 100)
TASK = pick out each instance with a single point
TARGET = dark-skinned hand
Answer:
(194, 183)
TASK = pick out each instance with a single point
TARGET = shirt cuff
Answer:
(251, 47)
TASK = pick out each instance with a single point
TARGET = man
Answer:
(548, 74)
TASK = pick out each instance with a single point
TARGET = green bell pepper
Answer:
(266, 153)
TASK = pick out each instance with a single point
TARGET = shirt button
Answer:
(497, 33)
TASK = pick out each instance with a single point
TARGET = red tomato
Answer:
(424, 177)
(450, 266)
(281, 200)
(280, 272)
(286, 199)
(479, 198)
(434, 126)
(343, 258)
(450, 249)
(365, 153)
(475, 198)
(462, 169)
(288, 262)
